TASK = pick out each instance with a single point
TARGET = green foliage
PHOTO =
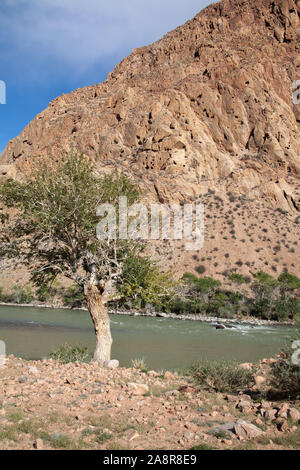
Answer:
(201, 284)
(219, 306)
(54, 228)
(55, 231)
(73, 296)
(18, 295)
(46, 292)
(273, 300)
(285, 377)
(144, 283)
(203, 447)
(59, 441)
(261, 308)
(222, 376)
(237, 278)
(139, 364)
(263, 286)
(286, 309)
(43, 293)
(68, 353)
(102, 437)
(289, 281)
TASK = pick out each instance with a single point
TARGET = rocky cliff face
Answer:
(205, 112)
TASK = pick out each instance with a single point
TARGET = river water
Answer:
(32, 333)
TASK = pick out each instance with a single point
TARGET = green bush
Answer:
(289, 281)
(144, 283)
(22, 295)
(286, 309)
(202, 284)
(46, 291)
(73, 296)
(43, 293)
(238, 278)
(191, 306)
(222, 376)
(19, 295)
(68, 353)
(261, 308)
(285, 377)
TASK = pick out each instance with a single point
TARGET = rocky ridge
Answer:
(205, 113)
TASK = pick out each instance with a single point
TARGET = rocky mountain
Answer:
(204, 113)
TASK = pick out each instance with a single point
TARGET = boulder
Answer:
(33, 370)
(168, 375)
(294, 415)
(187, 389)
(112, 364)
(130, 435)
(138, 389)
(270, 414)
(260, 380)
(245, 430)
(242, 429)
(38, 444)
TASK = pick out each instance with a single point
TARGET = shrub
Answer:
(286, 309)
(139, 364)
(238, 278)
(200, 269)
(22, 295)
(289, 281)
(43, 293)
(68, 353)
(73, 296)
(285, 377)
(262, 309)
(181, 307)
(222, 376)
(143, 283)
(202, 284)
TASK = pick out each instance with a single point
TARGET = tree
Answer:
(264, 285)
(203, 285)
(52, 219)
(144, 283)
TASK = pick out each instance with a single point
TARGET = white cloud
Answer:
(80, 34)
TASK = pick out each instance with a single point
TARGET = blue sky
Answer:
(50, 47)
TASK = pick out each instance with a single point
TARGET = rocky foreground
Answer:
(49, 405)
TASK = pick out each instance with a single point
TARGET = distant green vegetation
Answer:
(271, 299)
(144, 287)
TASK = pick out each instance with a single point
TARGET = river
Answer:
(32, 333)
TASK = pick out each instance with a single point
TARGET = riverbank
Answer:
(49, 405)
(199, 318)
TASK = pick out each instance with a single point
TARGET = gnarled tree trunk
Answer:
(100, 317)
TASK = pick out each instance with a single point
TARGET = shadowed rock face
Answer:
(207, 107)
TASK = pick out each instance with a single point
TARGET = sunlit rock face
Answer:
(207, 111)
